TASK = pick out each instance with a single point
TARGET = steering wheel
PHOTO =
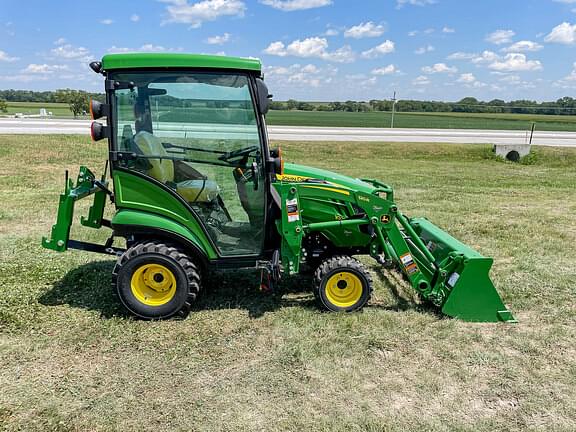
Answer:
(238, 153)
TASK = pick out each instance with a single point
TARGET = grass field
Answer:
(72, 360)
(374, 119)
(33, 108)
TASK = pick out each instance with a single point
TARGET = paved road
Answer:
(293, 133)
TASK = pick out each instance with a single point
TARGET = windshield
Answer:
(194, 110)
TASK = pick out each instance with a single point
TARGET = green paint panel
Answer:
(132, 217)
(474, 297)
(178, 60)
(316, 173)
(133, 192)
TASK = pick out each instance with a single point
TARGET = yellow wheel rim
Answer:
(344, 289)
(153, 284)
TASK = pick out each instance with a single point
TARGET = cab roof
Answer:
(178, 60)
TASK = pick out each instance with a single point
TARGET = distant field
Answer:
(423, 120)
(28, 108)
(373, 119)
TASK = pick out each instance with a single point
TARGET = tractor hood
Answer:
(300, 173)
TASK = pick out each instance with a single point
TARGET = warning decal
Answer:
(409, 264)
(292, 210)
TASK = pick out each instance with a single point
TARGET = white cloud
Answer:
(510, 79)
(401, 3)
(365, 30)
(143, 48)
(500, 37)
(181, 12)
(486, 57)
(384, 48)
(470, 81)
(6, 58)
(461, 56)
(277, 49)
(515, 62)
(218, 40)
(386, 70)
(135, 18)
(331, 32)
(60, 41)
(107, 21)
(466, 78)
(43, 68)
(70, 52)
(572, 76)
(294, 5)
(511, 62)
(448, 30)
(523, 46)
(308, 75)
(421, 81)
(311, 47)
(439, 68)
(424, 49)
(564, 33)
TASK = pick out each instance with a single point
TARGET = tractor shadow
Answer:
(240, 290)
(87, 287)
(405, 297)
(90, 287)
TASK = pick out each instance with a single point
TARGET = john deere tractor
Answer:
(197, 188)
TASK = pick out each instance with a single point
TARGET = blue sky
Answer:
(311, 49)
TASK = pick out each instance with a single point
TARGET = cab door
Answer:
(198, 134)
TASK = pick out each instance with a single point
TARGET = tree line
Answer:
(78, 101)
(563, 106)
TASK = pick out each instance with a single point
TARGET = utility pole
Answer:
(393, 110)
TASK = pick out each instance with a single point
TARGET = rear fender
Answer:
(142, 224)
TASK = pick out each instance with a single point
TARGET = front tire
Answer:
(156, 281)
(342, 284)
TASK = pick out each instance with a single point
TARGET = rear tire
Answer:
(342, 284)
(156, 281)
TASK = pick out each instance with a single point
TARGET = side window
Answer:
(198, 134)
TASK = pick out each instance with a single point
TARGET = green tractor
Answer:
(197, 188)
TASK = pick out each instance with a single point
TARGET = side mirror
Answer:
(264, 97)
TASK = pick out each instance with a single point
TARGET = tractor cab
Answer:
(197, 135)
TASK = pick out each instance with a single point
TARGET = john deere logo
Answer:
(384, 218)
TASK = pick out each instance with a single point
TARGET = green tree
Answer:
(305, 106)
(292, 104)
(3, 106)
(77, 100)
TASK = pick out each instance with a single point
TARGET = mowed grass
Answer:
(423, 120)
(73, 360)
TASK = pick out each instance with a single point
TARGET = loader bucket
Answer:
(471, 294)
